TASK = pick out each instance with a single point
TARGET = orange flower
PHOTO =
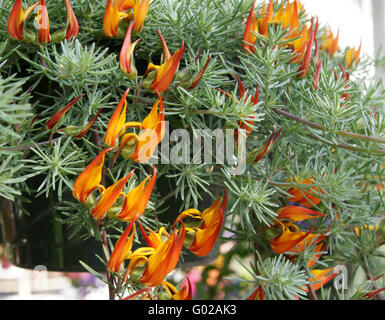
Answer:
(122, 248)
(291, 239)
(117, 121)
(140, 148)
(321, 277)
(113, 14)
(295, 213)
(73, 25)
(198, 77)
(109, 197)
(17, 18)
(184, 294)
(318, 251)
(352, 56)
(90, 178)
(329, 43)
(305, 198)
(257, 294)
(136, 200)
(140, 13)
(158, 78)
(83, 131)
(251, 26)
(126, 55)
(60, 114)
(159, 259)
(307, 54)
(43, 23)
(207, 233)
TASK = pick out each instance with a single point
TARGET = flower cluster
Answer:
(18, 17)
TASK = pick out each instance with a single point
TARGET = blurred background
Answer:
(357, 20)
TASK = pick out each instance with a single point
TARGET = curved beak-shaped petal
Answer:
(126, 54)
(292, 241)
(124, 5)
(60, 114)
(305, 197)
(207, 233)
(136, 200)
(88, 126)
(90, 178)
(140, 13)
(321, 277)
(112, 17)
(43, 23)
(164, 259)
(268, 145)
(251, 26)
(296, 213)
(122, 248)
(165, 73)
(73, 25)
(108, 197)
(184, 294)
(117, 121)
(17, 18)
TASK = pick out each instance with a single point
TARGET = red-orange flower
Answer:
(257, 294)
(268, 145)
(293, 240)
(126, 55)
(43, 23)
(140, 148)
(109, 197)
(352, 56)
(207, 233)
(159, 259)
(183, 294)
(305, 197)
(90, 178)
(321, 277)
(113, 14)
(122, 248)
(160, 77)
(329, 43)
(17, 18)
(139, 14)
(296, 213)
(60, 114)
(136, 200)
(117, 122)
(73, 25)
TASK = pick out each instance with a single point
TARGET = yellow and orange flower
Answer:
(17, 18)
(321, 277)
(139, 14)
(158, 78)
(113, 14)
(136, 200)
(306, 197)
(126, 59)
(90, 178)
(109, 197)
(352, 56)
(296, 213)
(158, 259)
(183, 294)
(73, 25)
(329, 43)
(297, 38)
(117, 10)
(291, 239)
(207, 233)
(139, 148)
(122, 248)
(43, 23)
